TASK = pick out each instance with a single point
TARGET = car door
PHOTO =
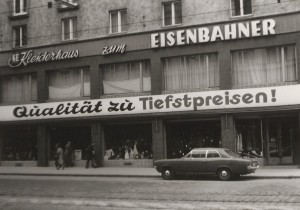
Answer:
(213, 161)
(197, 163)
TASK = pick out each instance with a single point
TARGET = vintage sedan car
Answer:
(209, 161)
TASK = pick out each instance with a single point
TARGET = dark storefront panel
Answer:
(79, 136)
(19, 143)
(184, 136)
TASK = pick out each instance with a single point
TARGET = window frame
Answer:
(241, 9)
(22, 7)
(207, 70)
(22, 38)
(82, 90)
(283, 70)
(120, 27)
(142, 68)
(72, 33)
(173, 15)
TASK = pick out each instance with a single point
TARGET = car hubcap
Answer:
(224, 173)
(167, 173)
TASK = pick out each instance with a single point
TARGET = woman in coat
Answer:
(60, 157)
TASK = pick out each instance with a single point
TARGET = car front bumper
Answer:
(252, 169)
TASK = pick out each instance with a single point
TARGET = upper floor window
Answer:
(18, 88)
(191, 72)
(118, 21)
(266, 66)
(130, 77)
(20, 36)
(172, 13)
(19, 7)
(71, 83)
(241, 7)
(69, 28)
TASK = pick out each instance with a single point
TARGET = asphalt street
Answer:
(34, 192)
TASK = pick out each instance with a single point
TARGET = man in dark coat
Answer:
(90, 156)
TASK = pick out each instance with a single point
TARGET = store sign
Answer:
(182, 102)
(28, 57)
(210, 34)
(115, 49)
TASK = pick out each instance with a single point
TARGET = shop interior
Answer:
(78, 136)
(184, 136)
(128, 141)
(270, 138)
(19, 143)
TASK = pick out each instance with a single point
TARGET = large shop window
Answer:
(20, 36)
(249, 136)
(19, 143)
(172, 13)
(71, 83)
(267, 66)
(69, 29)
(194, 72)
(131, 77)
(128, 142)
(183, 137)
(241, 7)
(78, 136)
(118, 21)
(18, 88)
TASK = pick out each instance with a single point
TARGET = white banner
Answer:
(195, 101)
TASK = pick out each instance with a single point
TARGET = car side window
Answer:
(213, 154)
(199, 154)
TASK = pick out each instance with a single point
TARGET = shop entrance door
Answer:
(280, 138)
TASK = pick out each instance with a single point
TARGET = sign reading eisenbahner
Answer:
(28, 57)
(180, 102)
(210, 34)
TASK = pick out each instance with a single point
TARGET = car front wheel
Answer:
(167, 173)
(224, 174)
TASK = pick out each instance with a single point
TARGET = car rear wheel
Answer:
(224, 174)
(167, 173)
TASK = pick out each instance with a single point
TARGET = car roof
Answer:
(209, 148)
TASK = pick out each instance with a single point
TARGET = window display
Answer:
(128, 142)
(183, 137)
(249, 137)
(20, 144)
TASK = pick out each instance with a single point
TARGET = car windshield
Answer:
(230, 153)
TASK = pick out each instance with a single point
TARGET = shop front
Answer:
(184, 135)
(269, 138)
(128, 144)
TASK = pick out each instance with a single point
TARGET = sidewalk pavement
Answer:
(262, 172)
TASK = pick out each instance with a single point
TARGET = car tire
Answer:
(167, 173)
(224, 174)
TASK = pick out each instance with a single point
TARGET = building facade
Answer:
(146, 80)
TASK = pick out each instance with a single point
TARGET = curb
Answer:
(135, 176)
(78, 175)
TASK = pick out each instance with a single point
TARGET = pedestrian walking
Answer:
(59, 159)
(90, 156)
(68, 154)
